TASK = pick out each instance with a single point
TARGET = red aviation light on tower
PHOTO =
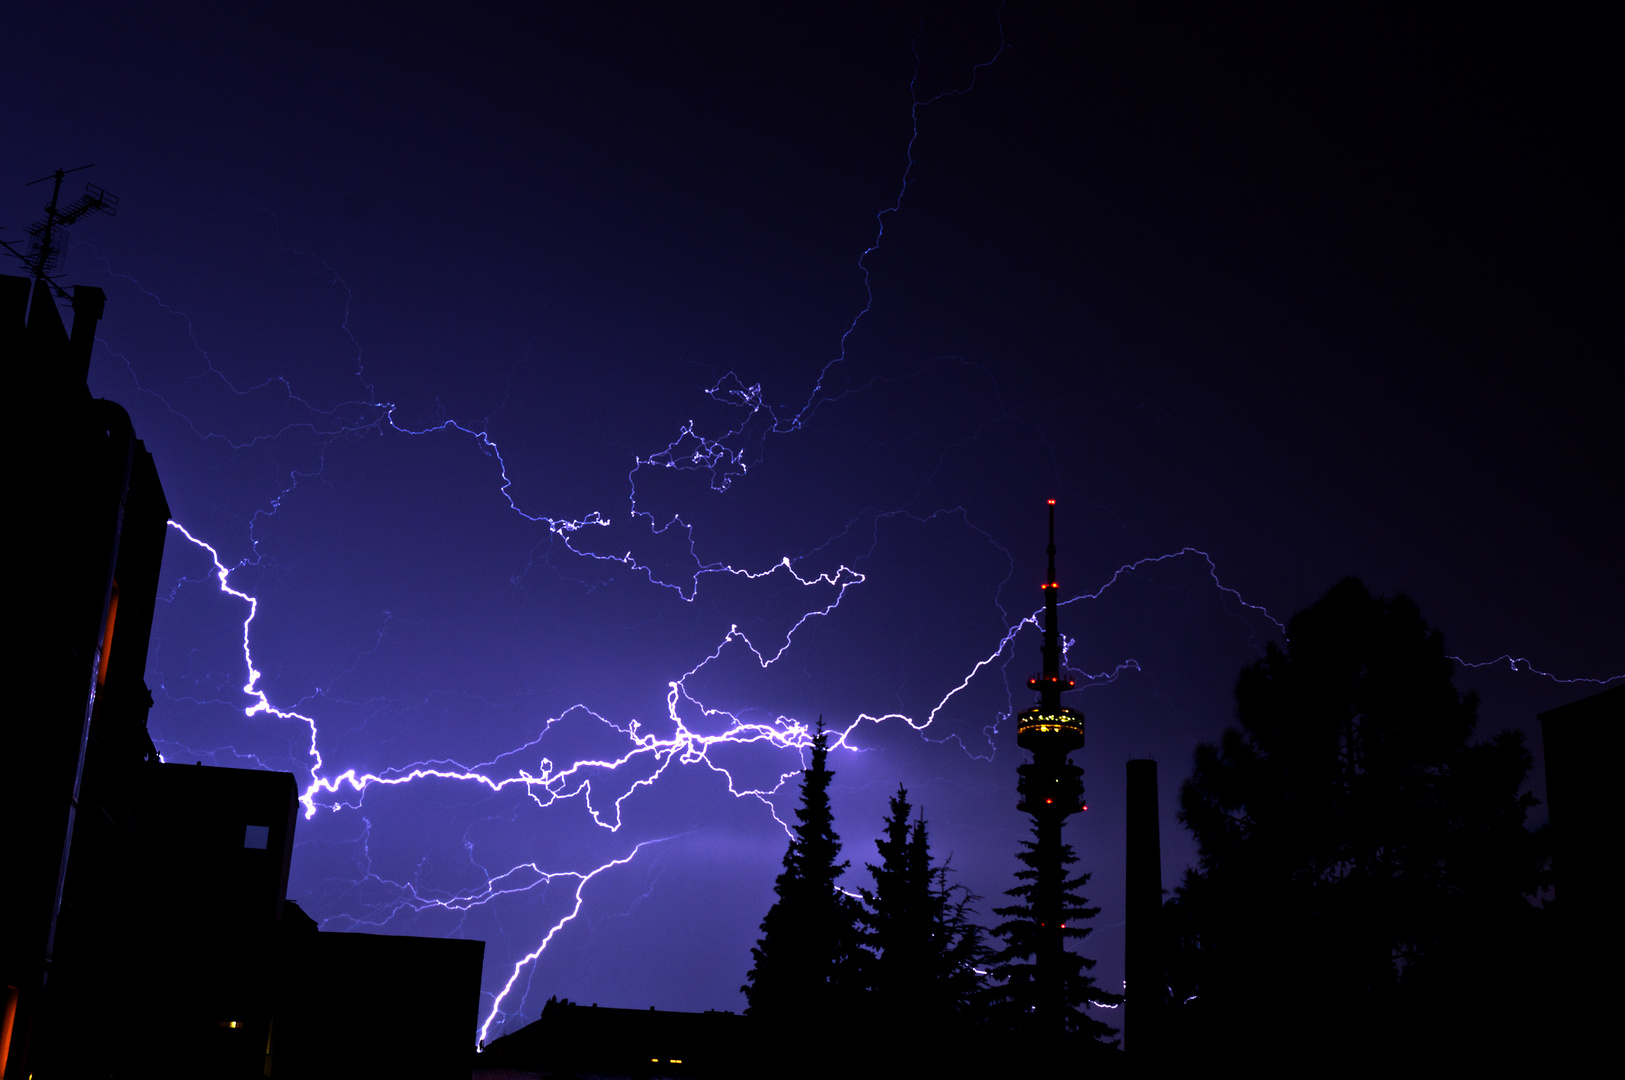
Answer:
(1048, 726)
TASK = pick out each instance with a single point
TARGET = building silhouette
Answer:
(571, 1039)
(89, 497)
(1051, 790)
(144, 921)
(1580, 742)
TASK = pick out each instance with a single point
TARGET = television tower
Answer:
(1051, 790)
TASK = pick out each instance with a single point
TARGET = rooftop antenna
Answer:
(48, 238)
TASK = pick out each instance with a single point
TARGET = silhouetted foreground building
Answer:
(245, 984)
(91, 515)
(144, 927)
(570, 1038)
(1580, 742)
(374, 1004)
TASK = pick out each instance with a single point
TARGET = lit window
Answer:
(257, 836)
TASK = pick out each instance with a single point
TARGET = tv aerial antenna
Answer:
(48, 237)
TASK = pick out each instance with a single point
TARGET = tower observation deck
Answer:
(1051, 787)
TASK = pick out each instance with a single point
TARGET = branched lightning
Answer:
(1513, 663)
(530, 957)
(647, 751)
(731, 455)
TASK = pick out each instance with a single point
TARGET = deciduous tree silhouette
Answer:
(1359, 858)
(962, 956)
(1014, 1002)
(808, 961)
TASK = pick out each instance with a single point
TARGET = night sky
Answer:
(513, 361)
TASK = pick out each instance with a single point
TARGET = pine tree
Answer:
(808, 961)
(925, 954)
(925, 949)
(1014, 1000)
(898, 920)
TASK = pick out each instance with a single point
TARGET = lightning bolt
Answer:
(691, 732)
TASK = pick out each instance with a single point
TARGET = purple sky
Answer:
(1307, 299)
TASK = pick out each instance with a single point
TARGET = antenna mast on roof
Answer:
(48, 238)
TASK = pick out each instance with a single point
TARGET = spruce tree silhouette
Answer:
(1013, 1001)
(808, 962)
(1361, 863)
(926, 949)
(898, 923)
